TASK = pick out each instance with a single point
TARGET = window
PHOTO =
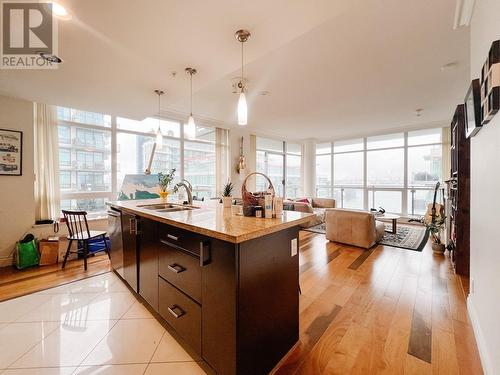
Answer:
(133, 152)
(272, 166)
(323, 169)
(93, 206)
(282, 163)
(64, 135)
(390, 200)
(385, 167)
(424, 165)
(65, 157)
(385, 141)
(425, 137)
(150, 125)
(339, 171)
(199, 160)
(65, 180)
(83, 117)
(350, 145)
(418, 201)
(91, 173)
(400, 173)
(348, 168)
(425, 168)
(352, 198)
(84, 159)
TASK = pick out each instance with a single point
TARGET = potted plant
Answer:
(435, 229)
(164, 182)
(227, 194)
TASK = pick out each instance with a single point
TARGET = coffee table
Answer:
(393, 218)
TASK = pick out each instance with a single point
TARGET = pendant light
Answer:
(159, 135)
(242, 36)
(191, 124)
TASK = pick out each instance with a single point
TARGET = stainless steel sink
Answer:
(168, 207)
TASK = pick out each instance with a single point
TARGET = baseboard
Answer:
(6, 262)
(478, 333)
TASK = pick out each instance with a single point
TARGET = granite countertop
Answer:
(212, 220)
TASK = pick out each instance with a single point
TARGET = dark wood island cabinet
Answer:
(227, 285)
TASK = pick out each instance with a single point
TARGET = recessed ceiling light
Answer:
(450, 65)
(60, 12)
(418, 112)
(264, 92)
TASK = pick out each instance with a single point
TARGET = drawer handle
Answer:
(176, 315)
(172, 237)
(176, 268)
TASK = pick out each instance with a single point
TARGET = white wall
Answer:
(484, 301)
(234, 144)
(309, 167)
(17, 205)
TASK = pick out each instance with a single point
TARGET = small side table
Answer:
(393, 218)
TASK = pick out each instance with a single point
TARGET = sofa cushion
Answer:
(303, 207)
(323, 202)
(318, 218)
(380, 229)
(302, 200)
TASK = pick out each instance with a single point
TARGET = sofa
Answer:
(357, 228)
(316, 206)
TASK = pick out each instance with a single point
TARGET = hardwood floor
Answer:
(382, 311)
(16, 283)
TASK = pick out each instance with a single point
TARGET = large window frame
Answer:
(111, 125)
(284, 152)
(407, 191)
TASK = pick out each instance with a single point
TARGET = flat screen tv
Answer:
(473, 109)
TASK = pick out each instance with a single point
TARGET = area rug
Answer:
(320, 228)
(410, 237)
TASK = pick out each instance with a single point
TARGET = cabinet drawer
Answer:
(180, 269)
(182, 313)
(187, 240)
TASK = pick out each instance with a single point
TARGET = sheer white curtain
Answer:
(222, 173)
(46, 163)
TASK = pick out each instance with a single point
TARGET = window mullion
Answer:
(365, 174)
(181, 152)
(404, 202)
(332, 171)
(114, 166)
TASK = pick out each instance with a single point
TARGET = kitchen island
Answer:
(226, 284)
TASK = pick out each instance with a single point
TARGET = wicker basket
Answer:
(250, 200)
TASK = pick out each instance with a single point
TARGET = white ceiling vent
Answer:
(463, 13)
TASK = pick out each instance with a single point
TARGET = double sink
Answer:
(168, 207)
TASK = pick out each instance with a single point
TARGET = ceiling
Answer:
(333, 68)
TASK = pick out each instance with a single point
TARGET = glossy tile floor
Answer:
(92, 326)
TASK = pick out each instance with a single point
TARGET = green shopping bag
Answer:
(27, 252)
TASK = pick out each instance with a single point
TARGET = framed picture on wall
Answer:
(473, 121)
(11, 152)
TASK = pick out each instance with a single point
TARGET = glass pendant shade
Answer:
(191, 122)
(159, 138)
(242, 109)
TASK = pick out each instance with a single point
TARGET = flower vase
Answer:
(227, 201)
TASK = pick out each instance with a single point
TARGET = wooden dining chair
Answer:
(78, 230)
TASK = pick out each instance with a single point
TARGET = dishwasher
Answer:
(115, 236)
